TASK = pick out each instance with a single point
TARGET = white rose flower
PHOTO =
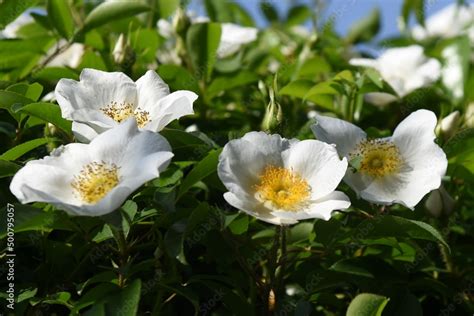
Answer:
(405, 69)
(101, 100)
(281, 181)
(233, 36)
(451, 21)
(397, 169)
(94, 179)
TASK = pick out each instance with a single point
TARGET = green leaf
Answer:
(27, 218)
(19, 150)
(365, 29)
(351, 267)
(59, 13)
(48, 112)
(11, 9)
(298, 88)
(32, 91)
(298, 15)
(112, 11)
(167, 7)
(8, 168)
(204, 168)
(178, 78)
(394, 226)
(269, 11)
(367, 304)
(126, 301)
(8, 99)
(240, 225)
(232, 81)
(202, 41)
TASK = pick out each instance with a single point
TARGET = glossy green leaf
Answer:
(367, 304)
(59, 13)
(48, 112)
(113, 11)
(232, 81)
(203, 169)
(11, 9)
(202, 41)
(23, 148)
(8, 168)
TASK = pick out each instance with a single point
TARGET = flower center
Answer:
(119, 112)
(95, 180)
(378, 157)
(282, 188)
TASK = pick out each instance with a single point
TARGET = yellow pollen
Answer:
(283, 188)
(95, 180)
(119, 112)
(379, 157)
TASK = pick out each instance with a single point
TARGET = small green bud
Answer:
(273, 115)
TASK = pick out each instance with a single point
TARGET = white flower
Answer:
(71, 57)
(94, 179)
(452, 20)
(233, 37)
(11, 30)
(397, 169)
(405, 69)
(281, 181)
(101, 100)
(452, 71)
(449, 124)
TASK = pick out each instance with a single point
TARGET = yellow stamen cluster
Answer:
(283, 188)
(119, 112)
(95, 180)
(379, 157)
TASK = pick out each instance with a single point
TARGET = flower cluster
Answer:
(120, 119)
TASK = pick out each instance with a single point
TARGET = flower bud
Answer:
(123, 54)
(181, 22)
(449, 124)
(439, 202)
(273, 115)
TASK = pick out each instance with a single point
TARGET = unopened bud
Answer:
(273, 115)
(449, 124)
(123, 54)
(439, 202)
(181, 22)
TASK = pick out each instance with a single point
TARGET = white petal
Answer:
(165, 28)
(151, 88)
(254, 209)
(96, 89)
(83, 132)
(321, 208)
(335, 131)
(233, 36)
(363, 62)
(242, 160)
(170, 108)
(380, 99)
(318, 163)
(71, 57)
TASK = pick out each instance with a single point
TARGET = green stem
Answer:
(123, 252)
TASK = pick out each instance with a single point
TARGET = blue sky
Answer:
(347, 11)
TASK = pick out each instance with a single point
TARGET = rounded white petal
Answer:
(233, 36)
(83, 132)
(253, 208)
(318, 163)
(363, 62)
(243, 160)
(335, 131)
(170, 108)
(71, 57)
(165, 28)
(380, 99)
(94, 90)
(151, 88)
(321, 208)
